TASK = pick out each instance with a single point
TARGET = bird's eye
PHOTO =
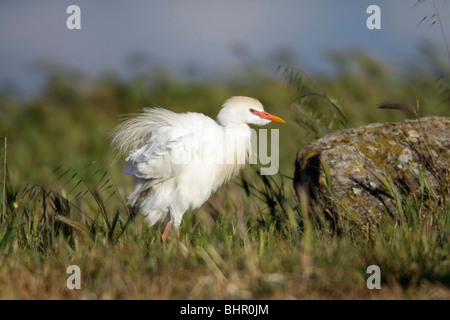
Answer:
(252, 111)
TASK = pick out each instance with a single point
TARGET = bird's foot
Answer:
(166, 232)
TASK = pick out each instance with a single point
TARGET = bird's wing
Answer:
(169, 148)
(159, 157)
(160, 145)
(157, 161)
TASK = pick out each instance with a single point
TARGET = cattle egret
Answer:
(179, 159)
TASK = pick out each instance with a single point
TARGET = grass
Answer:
(64, 204)
(234, 256)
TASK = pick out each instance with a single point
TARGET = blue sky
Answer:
(177, 33)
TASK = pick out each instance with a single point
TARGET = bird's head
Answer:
(245, 110)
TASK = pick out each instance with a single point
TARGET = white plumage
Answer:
(179, 159)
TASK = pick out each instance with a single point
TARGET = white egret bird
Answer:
(179, 159)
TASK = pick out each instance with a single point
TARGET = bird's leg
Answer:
(166, 232)
(178, 233)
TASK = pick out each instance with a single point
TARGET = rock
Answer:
(352, 173)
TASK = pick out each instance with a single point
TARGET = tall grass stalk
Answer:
(4, 180)
(442, 29)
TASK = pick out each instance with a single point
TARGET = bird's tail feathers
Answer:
(141, 189)
(154, 216)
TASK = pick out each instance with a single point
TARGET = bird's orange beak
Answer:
(268, 116)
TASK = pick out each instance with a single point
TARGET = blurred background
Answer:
(62, 91)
